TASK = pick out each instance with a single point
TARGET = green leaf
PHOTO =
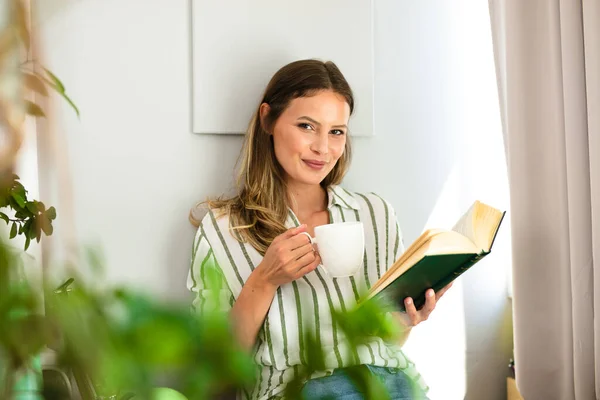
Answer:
(58, 85)
(68, 99)
(47, 226)
(27, 242)
(33, 109)
(18, 198)
(13, 231)
(26, 228)
(31, 206)
(51, 213)
(12, 203)
(38, 232)
(23, 214)
(4, 217)
(27, 224)
(18, 187)
(32, 229)
(65, 286)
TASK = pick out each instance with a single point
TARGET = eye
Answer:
(337, 132)
(304, 125)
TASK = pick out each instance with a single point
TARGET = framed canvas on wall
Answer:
(237, 45)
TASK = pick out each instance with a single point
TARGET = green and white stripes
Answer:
(305, 305)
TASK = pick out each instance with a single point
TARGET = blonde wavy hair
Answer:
(257, 214)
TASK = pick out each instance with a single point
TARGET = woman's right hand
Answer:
(290, 256)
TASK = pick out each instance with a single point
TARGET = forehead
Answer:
(325, 105)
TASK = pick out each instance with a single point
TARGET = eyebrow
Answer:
(319, 124)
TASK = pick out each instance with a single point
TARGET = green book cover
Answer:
(433, 271)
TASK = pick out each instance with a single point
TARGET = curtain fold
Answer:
(547, 60)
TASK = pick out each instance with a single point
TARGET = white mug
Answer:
(341, 246)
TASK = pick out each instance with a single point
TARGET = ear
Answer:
(264, 113)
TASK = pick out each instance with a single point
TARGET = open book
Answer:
(439, 256)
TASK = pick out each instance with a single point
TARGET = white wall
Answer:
(137, 167)
(438, 134)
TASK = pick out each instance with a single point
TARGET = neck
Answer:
(306, 199)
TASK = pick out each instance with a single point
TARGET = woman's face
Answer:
(310, 135)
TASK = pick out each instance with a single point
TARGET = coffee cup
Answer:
(341, 247)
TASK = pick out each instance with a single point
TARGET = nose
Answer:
(321, 144)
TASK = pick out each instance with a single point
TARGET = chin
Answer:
(306, 179)
(311, 181)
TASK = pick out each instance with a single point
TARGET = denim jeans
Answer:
(340, 386)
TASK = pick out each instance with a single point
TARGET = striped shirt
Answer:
(306, 303)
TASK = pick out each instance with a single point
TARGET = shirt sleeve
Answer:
(206, 280)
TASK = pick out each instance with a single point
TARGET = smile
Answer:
(316, 165)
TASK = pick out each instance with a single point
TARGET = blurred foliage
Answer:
(39, 80)
(36, 77)
(124, 340)
(359, 325)
(119, 338)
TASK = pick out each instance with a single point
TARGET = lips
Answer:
(314, 164)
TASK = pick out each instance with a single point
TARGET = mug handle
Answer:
(312, 239)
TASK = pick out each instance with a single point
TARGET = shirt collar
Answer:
(341, 197)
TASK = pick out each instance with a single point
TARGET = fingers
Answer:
(411, 311)
(291, 233)
(311, 266)
(441, 292)
(417, 316)
(293, 238)
(429, 304)
(297, 241)
(304, 260)
(301, 251)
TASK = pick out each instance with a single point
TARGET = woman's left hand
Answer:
(412, 316)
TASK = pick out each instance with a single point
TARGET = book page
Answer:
(487, 222)
(465, 225)
(479, 224)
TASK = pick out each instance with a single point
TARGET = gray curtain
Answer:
(548, 67)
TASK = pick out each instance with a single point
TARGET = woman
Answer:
(296, 153)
